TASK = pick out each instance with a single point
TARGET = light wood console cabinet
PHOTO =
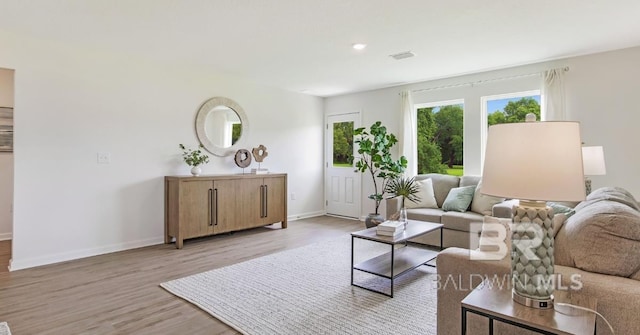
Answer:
(209, 205)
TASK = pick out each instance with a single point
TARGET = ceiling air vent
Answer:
(403, 55)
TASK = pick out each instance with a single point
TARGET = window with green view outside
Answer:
(440, 139)
(343, 144)
(512, 109)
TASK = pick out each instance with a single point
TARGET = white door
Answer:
(342, 183)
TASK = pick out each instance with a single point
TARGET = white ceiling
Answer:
(305, 45)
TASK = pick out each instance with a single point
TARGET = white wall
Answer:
(600, 91)
(72, 103)
(6, 162)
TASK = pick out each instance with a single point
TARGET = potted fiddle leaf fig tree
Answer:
(374, 147)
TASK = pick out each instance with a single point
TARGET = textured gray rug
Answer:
(4, 329)
(307, 291)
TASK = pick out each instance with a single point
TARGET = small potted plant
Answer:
(194, 158)
(405, 188)
(374, 146)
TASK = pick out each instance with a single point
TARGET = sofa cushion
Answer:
(442, 183)
(425, 214)
(603, 236)
(488, 234)
(616, 194)
(561, 253)
(460, 221)
(469, 181)
(425, 194)
(481, 203)
(459, 199)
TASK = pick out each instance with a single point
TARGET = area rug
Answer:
(307, 291)
(4, 329)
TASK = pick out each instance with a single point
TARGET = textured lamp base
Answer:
(532, 262)
(531, 302)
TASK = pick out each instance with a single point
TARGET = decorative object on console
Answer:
(260, 153)
(374, 147)
(407, 189)
(243, 158)
(194, 158)
(534, 162)
(593, 164)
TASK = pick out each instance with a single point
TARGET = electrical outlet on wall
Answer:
(104, 157)
(293, 196)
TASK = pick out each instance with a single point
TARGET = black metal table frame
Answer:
(493, 317)
(391, 276)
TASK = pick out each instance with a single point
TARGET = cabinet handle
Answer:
(266, 197)
(216, 201)
(210, 207)
(261, 201)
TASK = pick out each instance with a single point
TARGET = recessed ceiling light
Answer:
(359, 46)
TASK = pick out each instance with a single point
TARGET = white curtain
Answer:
(553, 95)
(408, 135)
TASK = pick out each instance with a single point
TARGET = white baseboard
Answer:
(77, 254)
(6, 236)
(305, 215)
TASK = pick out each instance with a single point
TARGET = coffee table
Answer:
(397, 261)
(495, 303)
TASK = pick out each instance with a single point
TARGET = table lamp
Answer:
(593, 164)
(534, 162)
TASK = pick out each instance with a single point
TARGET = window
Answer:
(343, 144)
(510, 108)
(440, 137)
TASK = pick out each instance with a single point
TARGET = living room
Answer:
(73, 99)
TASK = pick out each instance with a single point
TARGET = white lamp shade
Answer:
(534, 161)
(593, 161)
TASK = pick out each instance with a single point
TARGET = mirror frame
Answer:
(201, 117)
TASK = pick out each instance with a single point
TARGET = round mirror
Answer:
(221, 126)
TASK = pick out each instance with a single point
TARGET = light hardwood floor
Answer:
(119, 293)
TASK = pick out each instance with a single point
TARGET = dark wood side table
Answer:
(495, 303)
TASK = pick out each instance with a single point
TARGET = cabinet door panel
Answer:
(195, 208)
(225, 205)
(276, 196)
(250, 198)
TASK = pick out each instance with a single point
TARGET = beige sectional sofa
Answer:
(456, 230)
(600, 243)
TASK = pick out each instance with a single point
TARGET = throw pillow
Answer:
(481, 203)
(425, 194)
(561, 209)
(489, 236)
(459, 199)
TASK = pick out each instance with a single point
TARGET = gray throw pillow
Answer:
(561, 209)
(459, 199)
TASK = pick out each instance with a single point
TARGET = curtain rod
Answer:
(477, 82)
